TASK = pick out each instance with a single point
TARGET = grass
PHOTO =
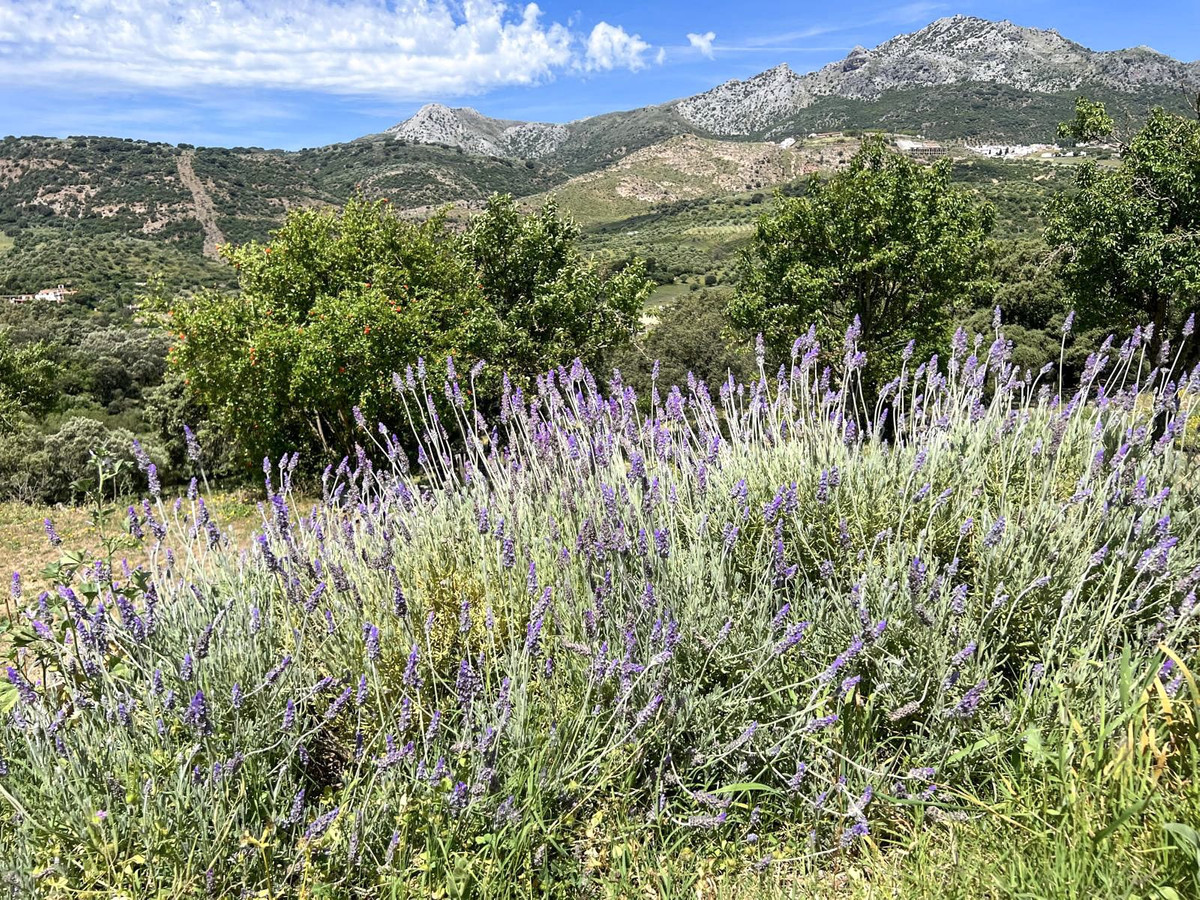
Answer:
(25, 548)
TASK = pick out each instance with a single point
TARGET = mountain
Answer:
(476, 133)
(955, 51)
(104, 214)
(925, 81)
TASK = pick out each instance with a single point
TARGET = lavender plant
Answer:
(770, 618)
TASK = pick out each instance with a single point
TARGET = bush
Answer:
(595, 638)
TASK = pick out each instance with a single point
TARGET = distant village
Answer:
(45, 295)
(920, 148)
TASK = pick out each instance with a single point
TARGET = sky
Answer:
(304, 73)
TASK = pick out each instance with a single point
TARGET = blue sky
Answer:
(296, 73)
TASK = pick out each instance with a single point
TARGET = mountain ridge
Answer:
(951, 51)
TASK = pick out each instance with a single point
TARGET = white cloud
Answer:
(703, 42)
(611, 47)
(398, 49)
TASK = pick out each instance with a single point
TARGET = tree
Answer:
(1128, 238)
(887, 239)
(691, 338)
(26, 381)
(552, 304)
(1091, 123)
(337, 302)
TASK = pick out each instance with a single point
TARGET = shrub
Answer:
(597, 634)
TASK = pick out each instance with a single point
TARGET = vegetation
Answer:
(887, 244)
(712, 621)
(607, 653)
(1130, 236)
(335, 304)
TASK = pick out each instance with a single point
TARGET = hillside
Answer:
(687, 167)
(104, 214)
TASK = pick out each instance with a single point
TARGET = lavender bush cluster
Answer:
(756, 612)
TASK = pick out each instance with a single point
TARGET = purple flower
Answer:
(966, 707)
(996, 533)
(24, 688)
(857, 830)
(196, 714)
(371, 639)
(55, 540)
(412, 677)
(321, 824)
(647, 712)
(790, 639)
(821, 723)
(193, 446)
(274, 674)
(289, 715)
(468, 683)
(335, 708)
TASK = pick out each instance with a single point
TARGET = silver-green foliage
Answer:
(775, 613)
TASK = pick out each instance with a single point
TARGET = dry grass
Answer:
(25, 549)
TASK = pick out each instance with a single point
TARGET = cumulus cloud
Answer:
(611, 47)
(703, 42)
(397, 49)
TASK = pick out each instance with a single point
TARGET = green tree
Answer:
(337, 302)
(552, 304)
(1129, 237)
(887, 239)
(692, 337)
(1091, 123)
(26, 381)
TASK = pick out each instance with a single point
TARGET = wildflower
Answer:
(335, 708)
(289, 715)
(857, 830)
(321, 824)
(821, 723)
(966, 707)
(647, 712)
(55, 540)
(468, 683)
(995, 534)
(24, 689)
(196, 714)
(411, 677)
(371, 639)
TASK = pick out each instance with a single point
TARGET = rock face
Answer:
(476, 133)
(952, 51)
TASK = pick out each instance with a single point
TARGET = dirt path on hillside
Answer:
(206, 214)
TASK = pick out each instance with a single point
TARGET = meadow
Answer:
(802, 636)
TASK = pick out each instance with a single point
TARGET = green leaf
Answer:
(746, 786)
(984, 743)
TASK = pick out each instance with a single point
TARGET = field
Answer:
(753, 644)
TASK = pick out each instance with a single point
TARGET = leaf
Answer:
(8, 697)
(990, 741)
(743, 786)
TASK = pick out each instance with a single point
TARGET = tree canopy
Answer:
(1129, 236)
(887, 239)
(336, 302)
